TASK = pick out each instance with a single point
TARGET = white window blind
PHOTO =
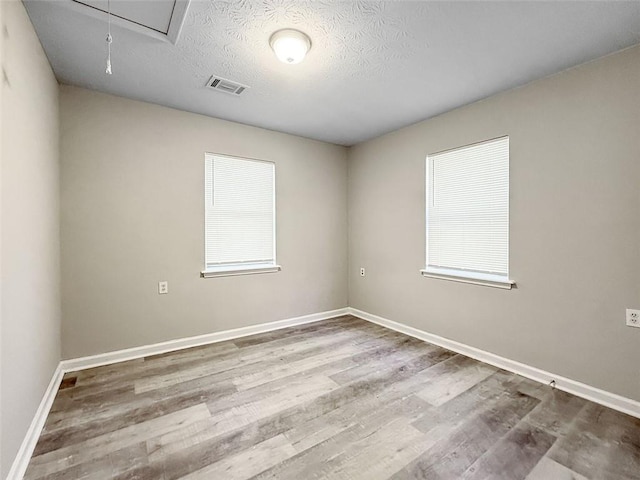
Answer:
(239, 213)
(468, 211)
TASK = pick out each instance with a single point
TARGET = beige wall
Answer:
(133, 214)
(575, 226)
(2, 26)
(30, 247)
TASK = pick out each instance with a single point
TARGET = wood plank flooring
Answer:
(339, 399)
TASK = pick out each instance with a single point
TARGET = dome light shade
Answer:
(290, 46)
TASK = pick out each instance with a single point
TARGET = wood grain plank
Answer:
(256, 378)
(126, 414)
(343, 322)
(556, 411)
(513, 456)
(444, 388)
(240, 416)
(547, 469)
(249, 356)
(601, 443)
(335, 453)
(458, 443)
(84, 452)
(395, 353)
(248, 463)
(471, 402)
(247, 413)
(378, 455)
(100, 467)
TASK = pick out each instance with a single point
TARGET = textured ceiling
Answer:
(374, 66)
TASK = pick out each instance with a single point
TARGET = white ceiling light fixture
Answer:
(289, 45)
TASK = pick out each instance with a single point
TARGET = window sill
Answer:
(486, 280)
(231, 271)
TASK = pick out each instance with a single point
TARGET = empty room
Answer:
(313, 240)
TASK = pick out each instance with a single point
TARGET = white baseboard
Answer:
(20, 463)
(83, 363)
(602, 397)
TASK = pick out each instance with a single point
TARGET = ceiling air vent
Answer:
(227, 86)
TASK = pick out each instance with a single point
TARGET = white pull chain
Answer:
(109, 39)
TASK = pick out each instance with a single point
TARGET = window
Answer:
(468, 214)
(239, 216)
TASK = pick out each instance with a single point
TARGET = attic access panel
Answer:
(158, 18)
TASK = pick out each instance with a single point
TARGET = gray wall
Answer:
(133, 214)
(575, 226)
(30, 245)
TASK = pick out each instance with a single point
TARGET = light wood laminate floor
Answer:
(338, 399)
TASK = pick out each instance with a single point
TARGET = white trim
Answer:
(602, 397)
(231, 271)
(174, 30)
(178, 17)
(21, 461)
(179, 344)
(461, 276)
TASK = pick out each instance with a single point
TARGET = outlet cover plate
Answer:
(633, 318)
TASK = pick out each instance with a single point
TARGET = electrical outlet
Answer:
(163, 287)
(362, 271)
(633, 318)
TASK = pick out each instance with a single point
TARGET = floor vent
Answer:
(227, 86)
